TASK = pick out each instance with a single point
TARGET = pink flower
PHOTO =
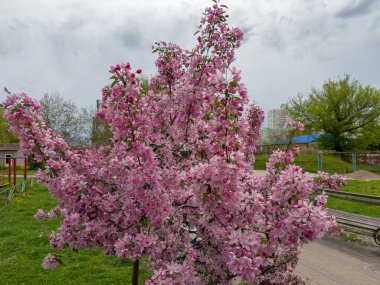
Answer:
(52, 214)
(114, 69)
(50, 262)
(40, 215)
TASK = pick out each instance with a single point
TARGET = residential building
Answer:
(9, 151)
(277, 118)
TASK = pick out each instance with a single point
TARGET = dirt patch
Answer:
(362, 175)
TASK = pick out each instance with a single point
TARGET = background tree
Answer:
(272, 136)
(101, 133)
(63, 116)
(344, 110)
(6, 136)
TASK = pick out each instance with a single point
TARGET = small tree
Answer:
(344, 109)
(176, 184)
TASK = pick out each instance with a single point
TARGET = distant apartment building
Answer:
(98, 104)
(277, 118)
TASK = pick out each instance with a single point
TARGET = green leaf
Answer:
(233, 83)
(236, 147)
(234, 129)
(207, 116)
(185, 153)
(113, 83)
(231, 117)
(144, 222)
(215, 105)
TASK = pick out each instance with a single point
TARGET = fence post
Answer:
(25, 169)
(319, 161)
(14, 171)
(9, 171)
(353, 161)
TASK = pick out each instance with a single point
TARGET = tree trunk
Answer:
(135, 273)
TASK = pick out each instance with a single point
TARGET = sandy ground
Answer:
(363, 175)
(336, 262)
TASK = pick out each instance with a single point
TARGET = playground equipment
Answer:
(8, 170)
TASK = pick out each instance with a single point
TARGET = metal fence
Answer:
(340, 162)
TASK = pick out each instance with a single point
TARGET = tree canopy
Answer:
(63, 116)
(346, 111)
(6, 136)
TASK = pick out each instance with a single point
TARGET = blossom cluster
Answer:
(176, 185)
(50, 262)
(326, 181)
(294, 125)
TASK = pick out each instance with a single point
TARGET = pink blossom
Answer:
(52, 214)
(40, 215)
(50, 262)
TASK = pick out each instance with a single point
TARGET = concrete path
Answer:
(336, 262)
(264, 172)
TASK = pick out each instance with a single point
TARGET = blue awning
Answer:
(301, 139)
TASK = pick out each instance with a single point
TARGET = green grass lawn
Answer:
(24, 243)
(362, 187)
(309, 162)
(30, 172)
(5, 188)
(3, 197)
(4, 172)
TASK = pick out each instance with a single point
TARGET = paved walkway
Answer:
(263, 172)
(336, 262)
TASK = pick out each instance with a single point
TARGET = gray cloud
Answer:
(248, 30)
(290, 45)
(357, 8)
(130, 35)
(374, 24)
(273, 38)
(12, 33)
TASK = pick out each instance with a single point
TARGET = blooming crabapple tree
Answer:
(176, 185)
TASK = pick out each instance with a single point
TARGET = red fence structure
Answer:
(8, 170)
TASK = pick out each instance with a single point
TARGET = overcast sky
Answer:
(67, 46)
